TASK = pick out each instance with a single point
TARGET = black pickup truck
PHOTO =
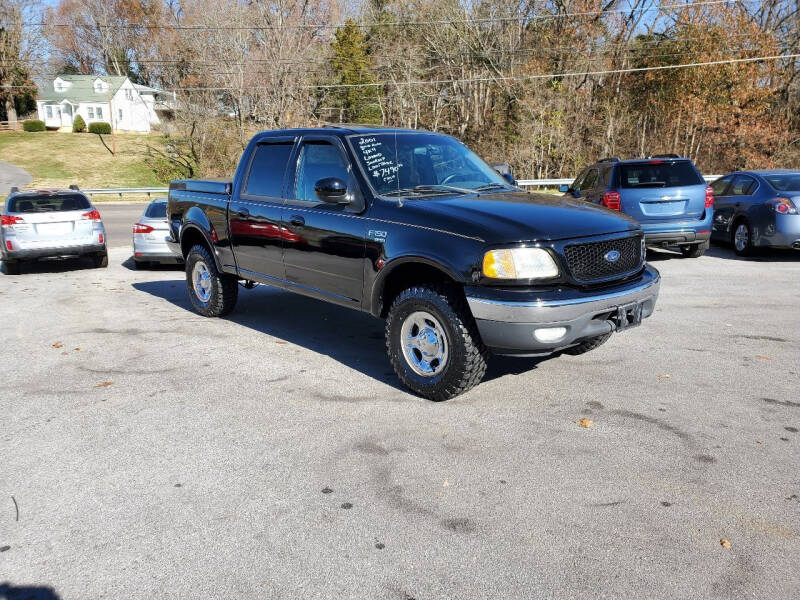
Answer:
(412, 226)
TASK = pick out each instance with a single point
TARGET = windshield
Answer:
(55, 203)
(403, 161)
(785, 182)
(658, 174)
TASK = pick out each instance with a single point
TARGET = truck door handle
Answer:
(297, 221)
(244, 211)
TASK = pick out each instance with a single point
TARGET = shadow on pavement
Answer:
(9, 591)
(130, 264)
(55, 265)
(352, 338)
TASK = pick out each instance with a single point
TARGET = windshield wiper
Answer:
(652, 184)
(434, 187)
(492, 186)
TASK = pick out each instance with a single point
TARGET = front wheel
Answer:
(433, 342)
(213, 294)
(695, 250)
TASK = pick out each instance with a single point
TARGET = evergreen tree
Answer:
(351, 66)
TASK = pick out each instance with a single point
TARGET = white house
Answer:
(127, 106)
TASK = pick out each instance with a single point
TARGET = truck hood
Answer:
(517, 216)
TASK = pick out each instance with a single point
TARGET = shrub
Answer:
(99, 127)
(78, 125)
(33, 125)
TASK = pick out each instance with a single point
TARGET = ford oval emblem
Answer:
(612, 256)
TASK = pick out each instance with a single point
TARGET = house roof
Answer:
(81, 90)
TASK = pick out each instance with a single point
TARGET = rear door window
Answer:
(268, 169)
(658, 174)
(743, 185)
(44, 203)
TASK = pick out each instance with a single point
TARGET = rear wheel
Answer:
(100, 259)
(213, 294)
(11, 267)
(433, 342)
(742, 238)
(587, 345)
(695, 250)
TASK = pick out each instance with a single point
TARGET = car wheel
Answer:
(11, 267)
(587, 345)
(742, 238)
(433, 342)
(100, 260)
(695, 250)
(213, 294)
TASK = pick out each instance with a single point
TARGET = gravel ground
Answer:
(150, 453)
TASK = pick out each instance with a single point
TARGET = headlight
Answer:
(519, 263)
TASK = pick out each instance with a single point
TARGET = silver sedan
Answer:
(149, 232)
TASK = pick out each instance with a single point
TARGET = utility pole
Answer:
(111, 118)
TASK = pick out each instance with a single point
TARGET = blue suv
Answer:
(666, 194)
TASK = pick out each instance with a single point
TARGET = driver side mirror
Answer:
(563, 188)
(331, 189)
(505, 170)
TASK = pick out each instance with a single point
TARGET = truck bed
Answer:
(205, 186)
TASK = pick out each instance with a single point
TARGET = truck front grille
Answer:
(593, 261)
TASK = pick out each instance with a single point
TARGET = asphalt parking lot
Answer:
(148, 452)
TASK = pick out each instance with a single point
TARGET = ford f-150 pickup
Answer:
(413, 227)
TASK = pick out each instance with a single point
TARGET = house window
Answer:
(90, 112)
(49, 110)
(59, 87)
(120, 114)
(99, 112)
(128, 96)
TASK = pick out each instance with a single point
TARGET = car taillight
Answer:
(612, 200)
(10, 220)
(709, 196)
(101, 238)
(142, 228)
(9, 245)
(92, 215)
(783, 206)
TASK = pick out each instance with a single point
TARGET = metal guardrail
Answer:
(162, 190)
(123, 191)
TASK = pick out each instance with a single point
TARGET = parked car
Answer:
(51, 223)
(149, 245)
(757, 209)
(666, 194)
(414, 227)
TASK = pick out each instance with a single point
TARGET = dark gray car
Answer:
(757, 209)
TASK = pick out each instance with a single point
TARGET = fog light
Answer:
(549, 334)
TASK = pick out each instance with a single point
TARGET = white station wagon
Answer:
(50, 223)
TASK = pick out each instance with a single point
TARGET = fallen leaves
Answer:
(762, 357)
(664, 376)
(724, 543)
(104, 384)
(585, 423)
(58, 345)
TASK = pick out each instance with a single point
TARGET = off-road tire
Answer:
(224, 287)
(100, 260)
(695, 250)
(467, 356)
(587, 345)
(11, 267)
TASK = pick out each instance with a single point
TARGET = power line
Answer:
(477, 21)
(484, 79)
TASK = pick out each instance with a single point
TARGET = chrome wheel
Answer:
(201, 279)
(424, 344)
(741, 237)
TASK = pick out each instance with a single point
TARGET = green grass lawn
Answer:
(57, 159)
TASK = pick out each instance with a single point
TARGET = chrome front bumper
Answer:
(507, 326)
